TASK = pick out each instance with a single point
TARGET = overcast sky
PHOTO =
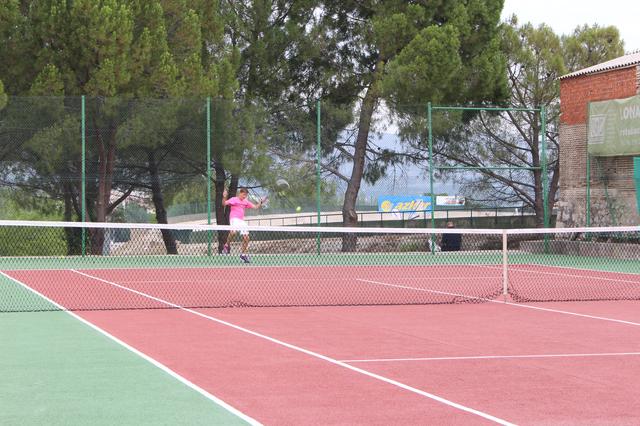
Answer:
(565, 15)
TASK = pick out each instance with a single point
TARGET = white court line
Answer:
(297, 280)
(311, 353)
(454, 358)
(573, 268)
(146, 357)
(502, 302)
(515, 268)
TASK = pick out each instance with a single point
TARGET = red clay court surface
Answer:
(545, 363)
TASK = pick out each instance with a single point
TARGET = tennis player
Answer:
(236, 219)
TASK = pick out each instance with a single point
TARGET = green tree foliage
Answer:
(25, 241)
(14, 45)
(114, 51)
(3, 96)
(79, 47)
(146, 68)
(537, 58)
(406, 52)
(273, 111)
(591, 45)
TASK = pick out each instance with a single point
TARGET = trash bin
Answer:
(182, 235)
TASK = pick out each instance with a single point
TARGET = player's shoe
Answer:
(244, 258)
(226, 249)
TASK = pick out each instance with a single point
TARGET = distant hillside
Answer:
(401, 180)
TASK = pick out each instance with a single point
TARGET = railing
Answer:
(461, 217)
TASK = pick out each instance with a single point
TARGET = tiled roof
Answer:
(627, 60)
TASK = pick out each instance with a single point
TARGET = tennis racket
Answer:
(282, 188)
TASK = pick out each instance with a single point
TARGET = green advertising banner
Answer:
(614, 127)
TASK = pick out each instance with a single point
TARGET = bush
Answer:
(32, 241)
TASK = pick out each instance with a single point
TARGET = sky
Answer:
(565, 15)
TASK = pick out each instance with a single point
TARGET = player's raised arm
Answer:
(258, 204)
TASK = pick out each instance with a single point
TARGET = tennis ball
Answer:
(298, 209)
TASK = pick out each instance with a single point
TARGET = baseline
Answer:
(455, 358)
(520, 268)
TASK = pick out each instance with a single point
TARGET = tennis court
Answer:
(520, 327)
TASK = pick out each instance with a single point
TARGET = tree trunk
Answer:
(158, 202)
(538, 204)
(349, 214)
(553, 187)
(73, 236)
(106, 144)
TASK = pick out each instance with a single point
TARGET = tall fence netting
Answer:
(124, 160)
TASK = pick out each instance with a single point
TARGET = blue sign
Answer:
(404, 203)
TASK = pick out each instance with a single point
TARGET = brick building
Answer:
(612, 189)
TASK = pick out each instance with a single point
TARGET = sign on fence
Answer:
(404, 203)
(450, 200)
(614, 127)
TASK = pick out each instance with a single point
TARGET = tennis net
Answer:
(103, 266)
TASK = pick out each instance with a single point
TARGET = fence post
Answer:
(545, 177)
(210, 233)
(83, 178)
(318, 156)
(432, 207)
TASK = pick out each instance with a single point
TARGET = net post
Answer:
(505, 275)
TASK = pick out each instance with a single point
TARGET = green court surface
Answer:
(307, 259)
(57, 370)
(331, 259)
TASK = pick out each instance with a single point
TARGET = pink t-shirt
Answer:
(237, 207)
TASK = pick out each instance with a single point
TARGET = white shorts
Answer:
(239, 225)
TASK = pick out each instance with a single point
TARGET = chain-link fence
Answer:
(611, 192)
(169, 160)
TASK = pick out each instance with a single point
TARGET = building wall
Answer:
(612, 190)
(577, 92)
